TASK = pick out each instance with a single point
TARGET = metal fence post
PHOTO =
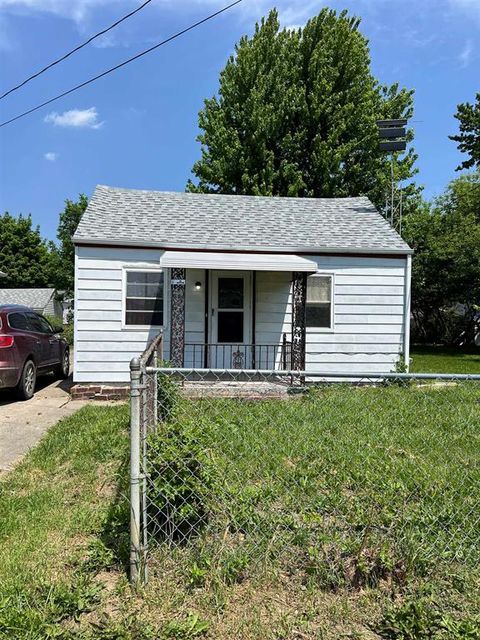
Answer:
(135, 551)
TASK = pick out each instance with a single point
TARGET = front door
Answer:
(230, 320)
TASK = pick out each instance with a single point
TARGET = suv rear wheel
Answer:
(28, 379)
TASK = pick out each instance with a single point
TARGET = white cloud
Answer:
(51, 156)
(466, 53)
(78, 118)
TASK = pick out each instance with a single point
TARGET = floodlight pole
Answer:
(392, 195)
(392, 139)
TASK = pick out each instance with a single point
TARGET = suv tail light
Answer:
(6, 341)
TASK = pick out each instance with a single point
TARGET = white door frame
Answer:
(214, 275)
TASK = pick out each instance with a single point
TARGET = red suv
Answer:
(29, 345)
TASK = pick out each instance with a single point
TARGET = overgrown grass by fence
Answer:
(343, 488)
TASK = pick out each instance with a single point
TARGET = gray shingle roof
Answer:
(245, 223)
(33, 298)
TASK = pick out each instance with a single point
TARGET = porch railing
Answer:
(239, 356)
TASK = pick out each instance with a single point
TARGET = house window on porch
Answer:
(144, 296)
(319, 302)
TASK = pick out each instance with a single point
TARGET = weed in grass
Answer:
(192, 627)
(420, 617)
(197, 573)
(37, 614)
(130, 628)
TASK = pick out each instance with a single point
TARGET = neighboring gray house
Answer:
(238, 281)
(41, 300)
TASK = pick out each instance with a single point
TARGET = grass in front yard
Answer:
(346, 513)
(444, 360)
(57, 510)
(343, 509)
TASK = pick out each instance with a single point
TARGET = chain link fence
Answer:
(351, 479)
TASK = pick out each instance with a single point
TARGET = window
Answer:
(38, 323)
(18, 321)
(144, 298)
(319, 302)
(230, 310)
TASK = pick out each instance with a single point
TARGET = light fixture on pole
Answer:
(392, 134)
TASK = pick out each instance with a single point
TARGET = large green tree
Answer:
(446, 264)
(24, 256)
(64, 254)
(296, 115)
(468, 139)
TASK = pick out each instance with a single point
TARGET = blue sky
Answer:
(137, 128)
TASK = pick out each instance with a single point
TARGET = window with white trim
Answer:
(144, 294)
(319, 302)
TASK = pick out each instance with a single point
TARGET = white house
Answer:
(238, 281)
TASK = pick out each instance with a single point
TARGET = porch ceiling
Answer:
(237, 261)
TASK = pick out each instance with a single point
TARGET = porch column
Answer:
(299, 297)
(177, 316)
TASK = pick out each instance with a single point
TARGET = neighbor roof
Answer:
(33, 298)
(229, 222)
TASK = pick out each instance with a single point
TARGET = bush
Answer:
(181, 476)
(56, 322)
(167, 395)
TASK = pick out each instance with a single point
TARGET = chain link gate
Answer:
(351, 476)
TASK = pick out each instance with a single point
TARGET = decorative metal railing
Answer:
(239, 356)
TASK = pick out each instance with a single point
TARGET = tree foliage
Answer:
(469, 137)
(296, 115)
(64, 254)
(24, 256)
(446, 264)
(29, 260)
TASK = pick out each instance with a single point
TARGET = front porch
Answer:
(236, 319)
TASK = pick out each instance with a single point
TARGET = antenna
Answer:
(392, 140)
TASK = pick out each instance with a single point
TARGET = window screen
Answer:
(319, 302)
(144, 298)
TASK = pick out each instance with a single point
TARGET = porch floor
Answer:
(251, 390)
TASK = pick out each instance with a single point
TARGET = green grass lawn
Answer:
(444, 360)
(346, 513)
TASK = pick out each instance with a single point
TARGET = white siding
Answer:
(194, 317)
(273, 318)
(368, 314)
(103, 349)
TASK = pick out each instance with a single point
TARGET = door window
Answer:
(230, 310)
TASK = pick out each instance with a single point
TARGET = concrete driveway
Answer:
(22, 424)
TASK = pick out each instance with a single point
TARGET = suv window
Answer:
(38, 323)
(18, 321)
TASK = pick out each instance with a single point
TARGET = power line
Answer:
(80, 46)
(122, 64)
